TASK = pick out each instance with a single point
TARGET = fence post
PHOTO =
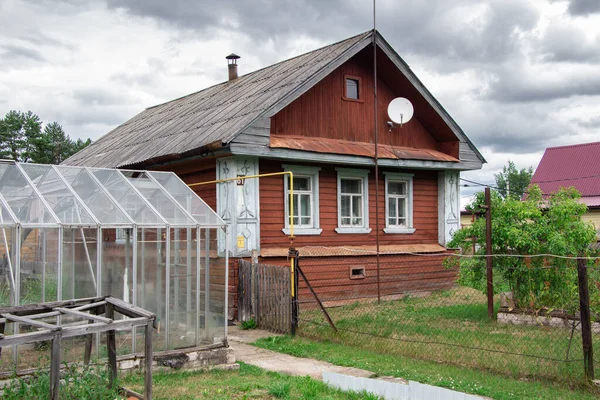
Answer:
(254, 286)
(586, 327)
(293, 255)
(488, 252)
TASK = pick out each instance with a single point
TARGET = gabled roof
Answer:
(213, 117)
(566, 166)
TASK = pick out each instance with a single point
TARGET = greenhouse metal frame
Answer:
(142, 236)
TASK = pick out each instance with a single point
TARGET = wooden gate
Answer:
(264, 294)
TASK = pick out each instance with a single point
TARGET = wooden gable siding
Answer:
(425, 193)
(322, 112)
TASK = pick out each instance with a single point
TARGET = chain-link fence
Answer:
(413, 306)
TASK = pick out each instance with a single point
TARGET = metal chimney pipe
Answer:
(232, 66)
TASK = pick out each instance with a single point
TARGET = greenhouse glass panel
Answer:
(79, 262)
(125, 194)
(160, 200)
(38, 267)
(187, 198)
(58, 195)
(8, 266)
(97, 199)
(25, 203)
(212, 288)
(6, 218)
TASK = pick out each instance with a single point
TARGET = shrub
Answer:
(537, 225)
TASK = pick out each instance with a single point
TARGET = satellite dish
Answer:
(400, 110)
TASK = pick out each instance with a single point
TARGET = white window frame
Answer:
(363, 176)
(400, 177)
(313, 174)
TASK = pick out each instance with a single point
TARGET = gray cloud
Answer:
(503, 128)
(524, 87)
(591, 123)
(99, 96)
(584, 7)
(435, 28)
(12, 53)
(569, 44)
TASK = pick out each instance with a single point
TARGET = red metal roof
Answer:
(566, 166)
(334, 146)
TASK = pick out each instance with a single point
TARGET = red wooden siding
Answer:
(399, 274)
(425, 220)
(322, 111)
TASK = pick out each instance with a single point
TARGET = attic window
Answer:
(352, 90)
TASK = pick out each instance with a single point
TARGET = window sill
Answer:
(401, 231)
(359, 100)
(303, 231)
(352, 230)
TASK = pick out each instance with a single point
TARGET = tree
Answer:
(54, 146)
(19, 135)
(512, 182)
(80, 145)
(22, 139)
(532, 227)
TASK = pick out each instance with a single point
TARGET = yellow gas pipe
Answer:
(291, 186)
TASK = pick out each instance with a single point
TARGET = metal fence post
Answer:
(586, 328)
(488, 252)
(254, 287)
(293, 255)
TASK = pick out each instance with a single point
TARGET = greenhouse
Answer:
(141, 236)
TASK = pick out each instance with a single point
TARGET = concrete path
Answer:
(386, 387)
(278, 362)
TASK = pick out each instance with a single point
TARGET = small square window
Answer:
(357, 273)
(352, 88)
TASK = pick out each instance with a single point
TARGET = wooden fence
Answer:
(264, 294)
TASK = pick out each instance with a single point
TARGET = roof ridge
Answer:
(572, 145)
(261, 69)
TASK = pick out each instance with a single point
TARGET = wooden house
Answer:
(314, 115)
(575, 166)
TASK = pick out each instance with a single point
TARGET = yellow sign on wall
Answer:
(241, 242)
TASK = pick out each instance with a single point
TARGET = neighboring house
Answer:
(314, 115)
(577, 166)
(466, 218)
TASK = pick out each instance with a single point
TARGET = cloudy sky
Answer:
(517, 75)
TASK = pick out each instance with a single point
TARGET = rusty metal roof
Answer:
(216, 114)
(334, 146)
(566, 166)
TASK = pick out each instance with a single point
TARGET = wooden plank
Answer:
(2, 327)
(148, 332)
(84, 315)
(31, 322)
(130, 393)
(130, 310)
(41, 307)
(55, 367)
(87, 355)
(111, 346)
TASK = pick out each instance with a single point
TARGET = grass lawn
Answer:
(450, 376)
(452, 327)
(248, 382)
